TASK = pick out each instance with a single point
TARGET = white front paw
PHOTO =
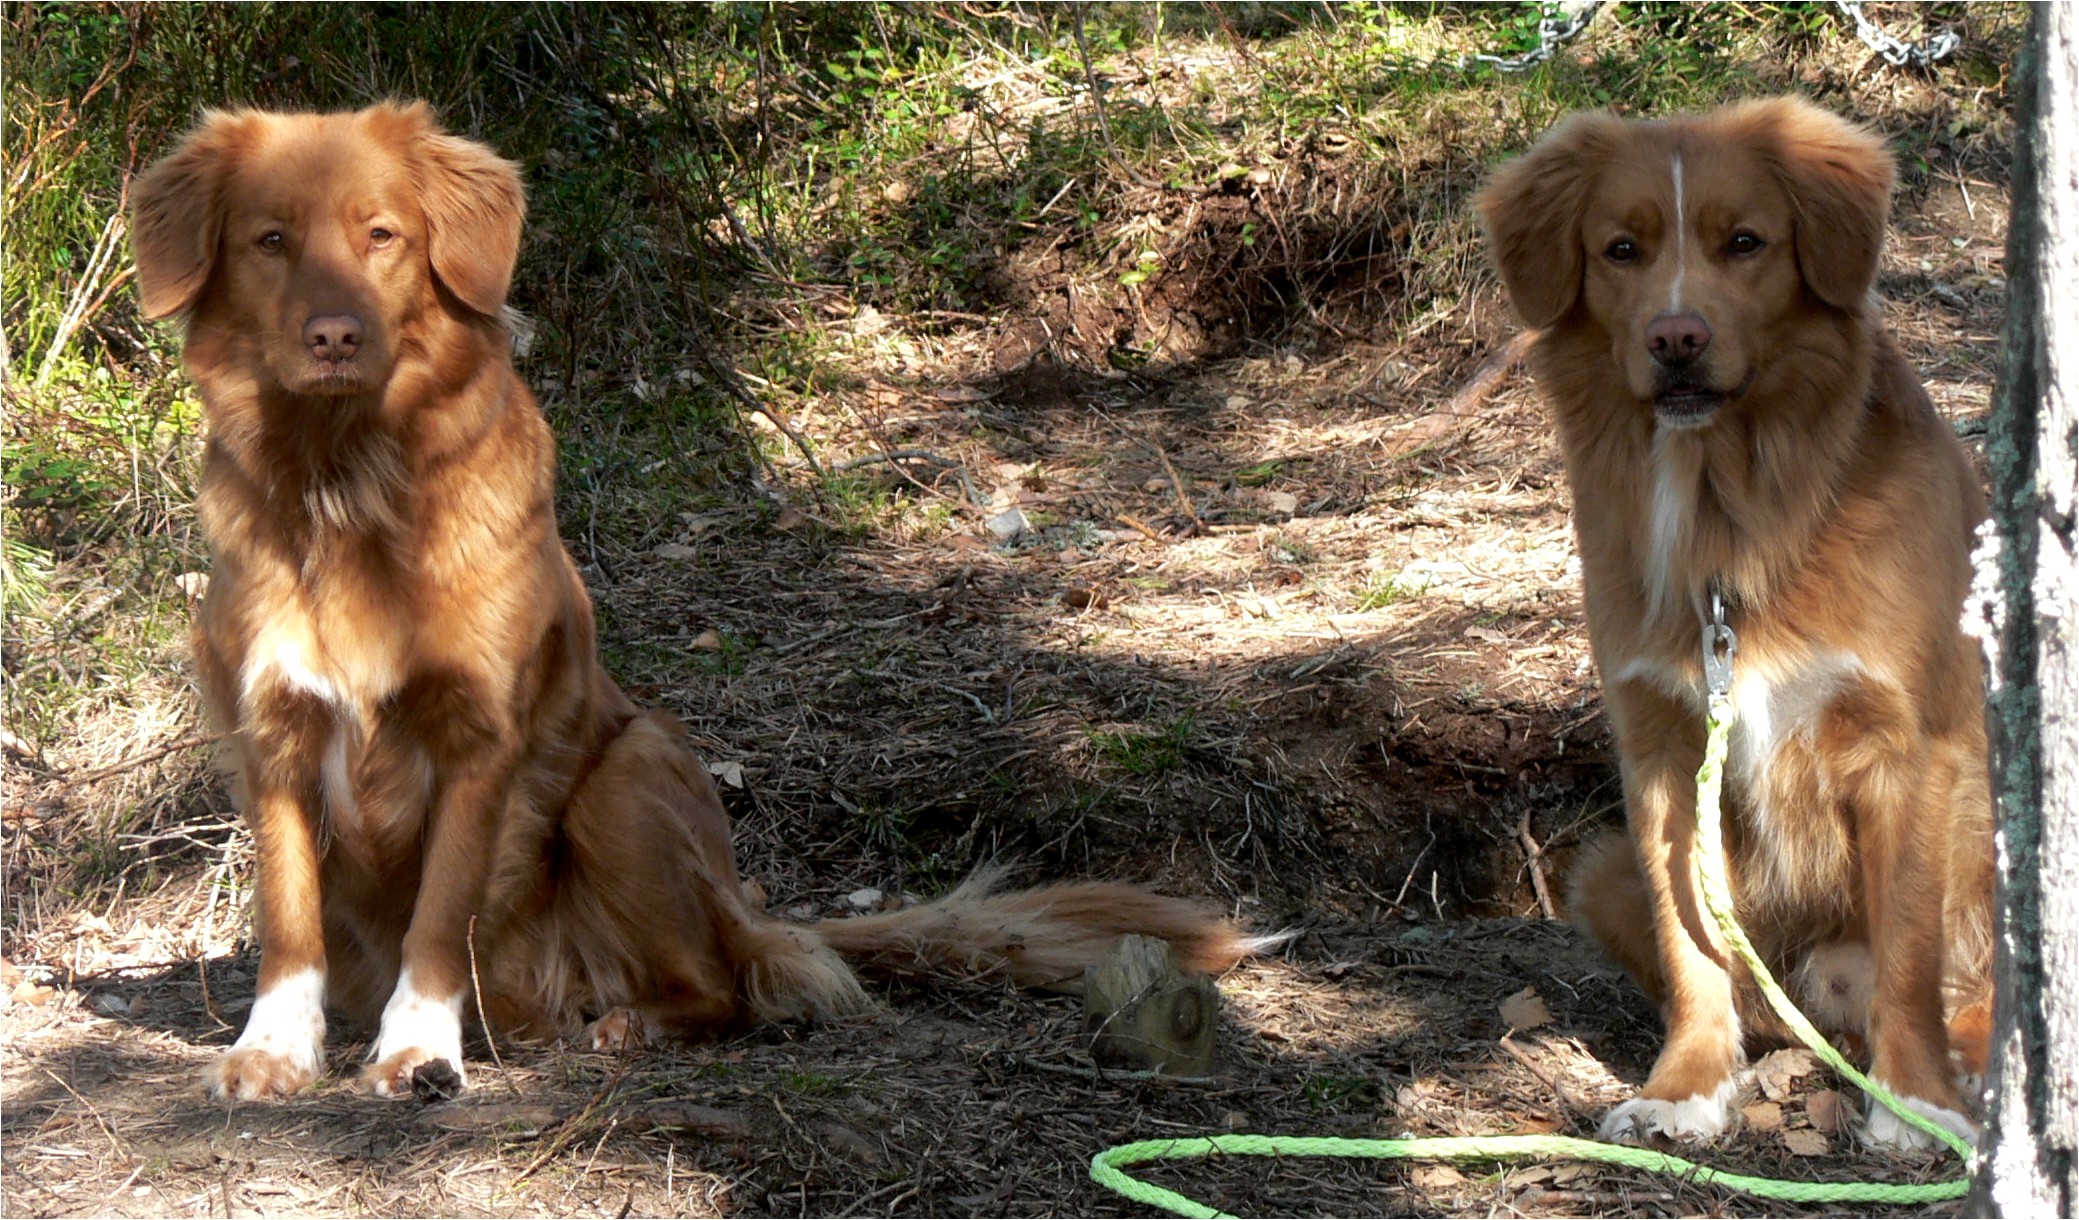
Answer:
(1883, 1129)
(417, 1029)
(1704, 1116)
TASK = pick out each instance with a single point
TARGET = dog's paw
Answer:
(419, 1050)
(620, 1030)
(249, 1073)
(1883, 1129)
(1704, 1116)
(416, 1072)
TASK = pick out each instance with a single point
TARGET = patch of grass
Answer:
(1334, 1092)
(1290, 548)
(1385, 589)
(1147, 752)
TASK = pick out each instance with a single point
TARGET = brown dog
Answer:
(1738, 427)
(427, 748)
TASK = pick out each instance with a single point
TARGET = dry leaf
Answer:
(708, 641)
(1525, 1010)
(1776, 1086)
(1802, 1141)
(1763, 1116)
(1436, 1178)
(1826, 1112)
(1281, 502)
(1791, 1061)
(1486, 635)
(790, 518)
(1082, 597)
(31, 992)
(730, 773)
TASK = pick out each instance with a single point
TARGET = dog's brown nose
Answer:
(1677, 338)
(335, 337)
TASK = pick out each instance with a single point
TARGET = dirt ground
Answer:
(1293, 625)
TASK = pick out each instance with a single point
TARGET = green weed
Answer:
(1385, 589)
(1147, 753)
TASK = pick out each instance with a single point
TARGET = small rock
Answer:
(1008, 524)
(1281, 502)
(108, 1004)
(868, 899)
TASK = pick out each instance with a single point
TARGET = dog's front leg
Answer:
(283, 1043)
(422, 1024)
(1689, 1094)
(1896, 786)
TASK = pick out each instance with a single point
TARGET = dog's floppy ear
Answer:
(1839, 178)
(1532, 210)
(176, 221)
(474, 206)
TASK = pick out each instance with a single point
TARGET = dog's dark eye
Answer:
(380, 237)
(1623, 250)
(272, 242)
(1745, 243)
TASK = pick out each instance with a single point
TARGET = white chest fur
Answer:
(1776, 699)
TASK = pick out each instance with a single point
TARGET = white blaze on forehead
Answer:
(1681, 226)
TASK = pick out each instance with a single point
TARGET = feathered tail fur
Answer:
(1035, 938)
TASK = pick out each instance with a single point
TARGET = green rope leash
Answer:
(1108, 1168)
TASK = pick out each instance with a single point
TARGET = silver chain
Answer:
(1560, 25)
(1939, 46)
(1563, 22)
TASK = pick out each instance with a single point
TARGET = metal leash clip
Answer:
(1720, 647)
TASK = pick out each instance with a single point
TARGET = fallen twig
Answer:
(138, 760)
(1534, 859)
(1491, 374)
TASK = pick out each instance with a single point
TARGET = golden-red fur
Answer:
(1734, 418)
(426, 745)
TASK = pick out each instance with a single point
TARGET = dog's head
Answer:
(320, 240)
(1703, 248)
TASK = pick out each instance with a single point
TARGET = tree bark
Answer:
(2026, 608)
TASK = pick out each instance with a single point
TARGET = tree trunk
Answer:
(2026, 602)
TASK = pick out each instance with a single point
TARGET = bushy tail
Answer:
(787, 972)
(1035, 938)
